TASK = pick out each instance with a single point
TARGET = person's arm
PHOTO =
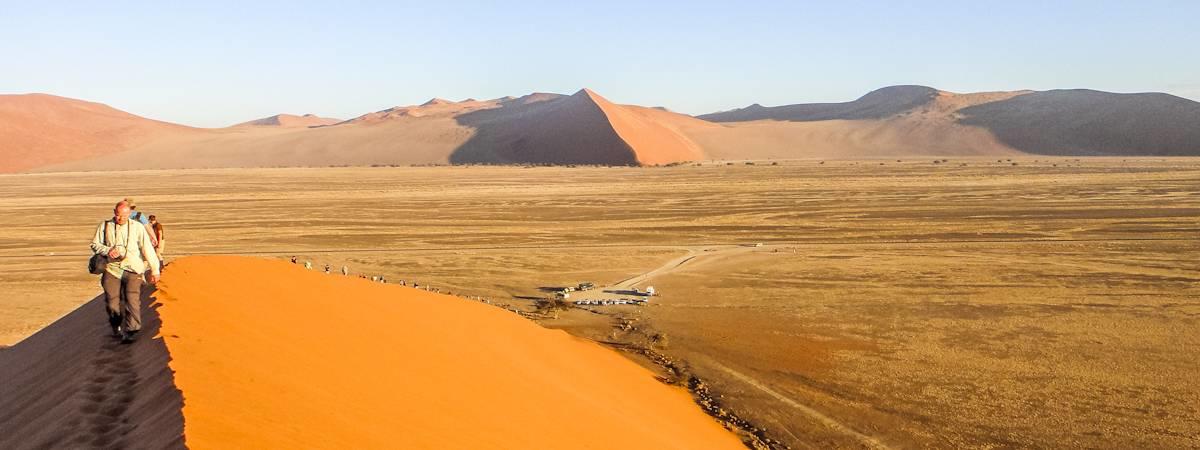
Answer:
(148, 253)
(150, 232)
(98, 246)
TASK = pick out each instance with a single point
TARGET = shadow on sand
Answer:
(74, 385)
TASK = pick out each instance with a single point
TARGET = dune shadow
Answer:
(877, 104)
(542, 129)
(74, 385)
(1080, 122)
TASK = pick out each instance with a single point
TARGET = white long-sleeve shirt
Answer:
(134, 241)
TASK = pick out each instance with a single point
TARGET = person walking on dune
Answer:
(129, 251)
(140, 217)
(156, 232)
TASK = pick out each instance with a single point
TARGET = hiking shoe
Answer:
(116, 331)
(128, 337)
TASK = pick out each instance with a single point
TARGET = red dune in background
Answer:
(38, 130)
(269, 355)
(538, 128)
(647, 132)
(583, 128)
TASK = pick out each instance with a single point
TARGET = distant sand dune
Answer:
(922, 121)
(46, 133)
(1085, 122)
(38, 130)
(290, 121)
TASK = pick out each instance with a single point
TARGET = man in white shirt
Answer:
(130, 252)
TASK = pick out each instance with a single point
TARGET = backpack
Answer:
(98, 260)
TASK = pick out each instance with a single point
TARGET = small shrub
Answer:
(659, 340)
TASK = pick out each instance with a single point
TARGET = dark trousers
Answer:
(123, 299)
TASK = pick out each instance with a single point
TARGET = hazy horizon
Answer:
(220, 64)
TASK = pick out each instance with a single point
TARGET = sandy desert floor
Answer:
(969, 303)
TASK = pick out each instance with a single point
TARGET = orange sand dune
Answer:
(253, 353)
(652, 140)
(269, 355)
(583, 128)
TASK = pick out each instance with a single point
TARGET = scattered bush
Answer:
(659, 340)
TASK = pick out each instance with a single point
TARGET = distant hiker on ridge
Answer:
(156, 232)
(138, 216)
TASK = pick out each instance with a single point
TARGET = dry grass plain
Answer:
(893, 304)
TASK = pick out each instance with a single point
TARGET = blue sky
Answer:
(216, 63)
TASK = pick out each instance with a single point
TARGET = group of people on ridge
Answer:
(132, 244)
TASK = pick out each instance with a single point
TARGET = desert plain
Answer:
(969, 302)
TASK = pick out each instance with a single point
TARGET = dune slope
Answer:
(48, 134)
(921, 121)
(538, 128)
(269, 355)
(876, 104)
(290, 121)
(583, 128)
(72, 385)
(648, 132)
(38, 130)
(1087, 122)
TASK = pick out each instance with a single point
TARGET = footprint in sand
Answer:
(107, 396)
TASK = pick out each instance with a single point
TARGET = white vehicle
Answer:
(651, 292)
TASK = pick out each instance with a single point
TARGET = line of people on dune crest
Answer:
(308, 265)
(379, 279)
(127, 253)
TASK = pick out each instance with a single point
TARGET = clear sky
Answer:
(215, 63)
